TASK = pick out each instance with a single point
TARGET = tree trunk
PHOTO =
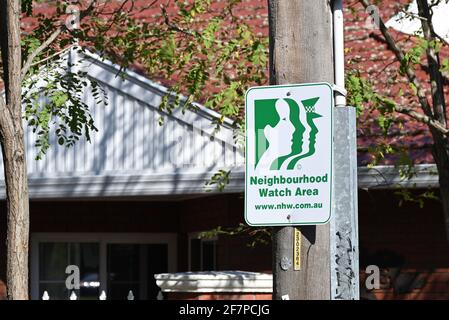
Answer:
(441, 156)
(441, 143)
(444, 194)
(13, 148)
(301, 51)
(14, 160)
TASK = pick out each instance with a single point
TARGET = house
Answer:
(131, 203)
(135, 196)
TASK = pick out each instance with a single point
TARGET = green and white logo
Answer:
(288, 154)
(280, 119)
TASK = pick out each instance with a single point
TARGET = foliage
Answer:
(190, 47)
(219, 179)
(195, 49)
(381, 118)
(381, 111)
(421, 198)
(257, 236)
(54, 88)
(54, 99)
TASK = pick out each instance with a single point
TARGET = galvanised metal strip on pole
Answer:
(344, 246)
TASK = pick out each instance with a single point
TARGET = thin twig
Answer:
(409, 70)
(173, 26)
(62, 28)
(412, 15)
(417, 16)
(50, 57)
(41, 48)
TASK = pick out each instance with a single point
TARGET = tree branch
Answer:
(417, 16)
(26, 67)
(50, 57)
(173, 26)
(5, 118)
(409, 70)
(422, 118)
(29, 62)
(440, 38)
(432, 29)
(436, 81)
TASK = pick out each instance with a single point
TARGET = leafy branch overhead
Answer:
(203, 48)
(55, 103)
(413, 91)
(402, 104)
(190, 47)
(361, 90)
(258, 235)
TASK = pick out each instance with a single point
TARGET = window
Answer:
(113, 263)
(132, 267)
(202, 253)
(56, 256)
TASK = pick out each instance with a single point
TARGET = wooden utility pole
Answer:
(301, 51)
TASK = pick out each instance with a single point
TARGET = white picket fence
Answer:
(102, 296)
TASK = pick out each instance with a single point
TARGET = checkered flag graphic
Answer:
(309, 109)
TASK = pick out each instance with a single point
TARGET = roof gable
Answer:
(130, 142)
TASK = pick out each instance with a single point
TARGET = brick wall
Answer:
(181, 217)
(225, 211)
(407, 242)
(218, 296)
(2, 290)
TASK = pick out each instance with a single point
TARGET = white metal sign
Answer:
(288, 154)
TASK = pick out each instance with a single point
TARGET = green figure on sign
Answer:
(280, 133)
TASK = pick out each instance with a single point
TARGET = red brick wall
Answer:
(180, 217)
(416, 233)
(218, 296)
(100, 216)
(225, 211)
(408, 243)
(3, 293)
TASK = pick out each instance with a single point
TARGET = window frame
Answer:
(103, 239)
(196, 235)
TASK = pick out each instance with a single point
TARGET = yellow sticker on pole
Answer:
(297, 250)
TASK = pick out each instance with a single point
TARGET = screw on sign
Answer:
(286, 263)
